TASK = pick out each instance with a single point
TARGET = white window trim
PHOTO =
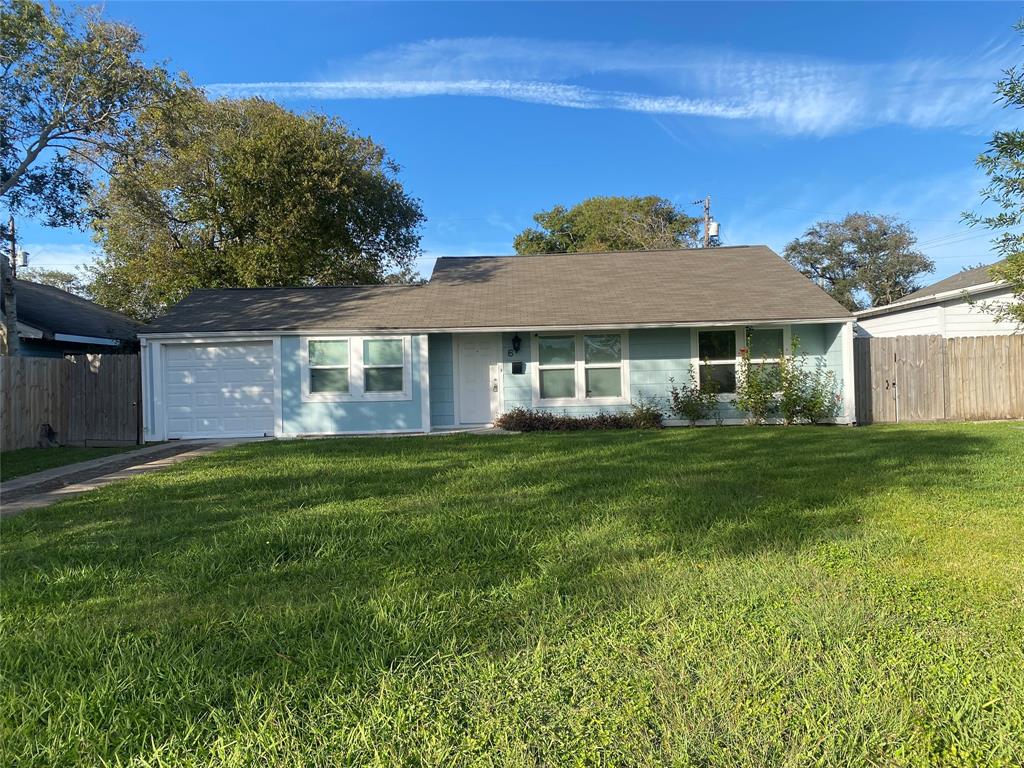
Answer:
(356, 387)
(741, 342)
(580, 367)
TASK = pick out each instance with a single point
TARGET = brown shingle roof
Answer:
(736, 284)
(361, 307)
(53, 310)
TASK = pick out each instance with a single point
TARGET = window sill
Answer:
(350, 398)
(573, 401)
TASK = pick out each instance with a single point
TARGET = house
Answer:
(54, 323)
(960, 305)
(575, 333)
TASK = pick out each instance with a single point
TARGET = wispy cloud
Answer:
(552, 94)
(790, 94)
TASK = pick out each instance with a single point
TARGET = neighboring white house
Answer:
(961, 305)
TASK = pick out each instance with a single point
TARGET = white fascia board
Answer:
(86, 339)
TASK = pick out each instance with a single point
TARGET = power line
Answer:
(833, 213)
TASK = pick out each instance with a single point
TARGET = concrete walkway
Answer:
(41, 489)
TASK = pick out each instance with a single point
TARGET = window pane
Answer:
(606, 348)
(557, 350)
(723, 374)
(557, 383)
(382, 352)
(772, 371)
(765, 342)
(328, 352)
(328, 379)
(716, 345)
(383, 379)
(604, 382)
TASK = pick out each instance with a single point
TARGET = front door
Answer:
(477, 380)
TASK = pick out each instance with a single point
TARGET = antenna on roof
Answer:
(711, 239)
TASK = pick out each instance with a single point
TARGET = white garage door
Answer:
(219, 390)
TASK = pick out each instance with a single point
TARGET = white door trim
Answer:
(493, 374)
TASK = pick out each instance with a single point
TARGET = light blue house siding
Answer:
(442, 380)
(318, 418)
(656, 357)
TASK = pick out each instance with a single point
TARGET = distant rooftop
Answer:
(962, 281)
(53, 310)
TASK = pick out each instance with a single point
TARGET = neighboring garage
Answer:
(219, 390)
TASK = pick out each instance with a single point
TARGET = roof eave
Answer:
(924, 301)
(193, 335)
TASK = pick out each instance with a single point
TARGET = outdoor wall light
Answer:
(517, 343)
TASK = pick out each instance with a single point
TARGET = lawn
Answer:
(714, 597)
(28, 460)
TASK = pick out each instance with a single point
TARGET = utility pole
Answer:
(707, 221)
(711, 239)
(10, 341)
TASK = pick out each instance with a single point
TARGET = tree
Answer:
(862, 255)
(232, 193)
(1003, 163)
(70, 84)
(57, 278)
(609, 224)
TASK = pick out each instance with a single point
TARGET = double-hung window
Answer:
(579, 368)
(602, 365)
(766, 346)
(716, 352)
(355, 368)
(719, 350)
(329, 366)
(556, 359)
(383, 365)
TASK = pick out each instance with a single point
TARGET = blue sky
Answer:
(784, 113)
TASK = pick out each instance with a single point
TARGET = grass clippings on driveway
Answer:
(714, 597)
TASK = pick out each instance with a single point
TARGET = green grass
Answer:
(784, 597)
(28, 460)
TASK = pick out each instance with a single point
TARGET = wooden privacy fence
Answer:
(86, 400)
(929, 378)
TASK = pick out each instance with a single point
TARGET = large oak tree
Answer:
(609, 224)
(71, 85)
(864, 256)
(244, 193)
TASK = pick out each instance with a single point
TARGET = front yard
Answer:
(714, 597)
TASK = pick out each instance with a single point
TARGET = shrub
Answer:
(756, 387)
(792, 384)
(693, 403)
(646, 414)
(806, 396)
(641, 416)
(822, 399)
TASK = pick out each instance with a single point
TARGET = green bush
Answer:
(641, 416)
(756, 388)
(821, 399)
(790, 389)
(692, 402)
(809, 396)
